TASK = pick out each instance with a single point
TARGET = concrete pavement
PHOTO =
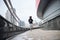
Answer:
(39, 34)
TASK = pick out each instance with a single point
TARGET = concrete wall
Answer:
(52, 10)
(53, 24)
(51, 16)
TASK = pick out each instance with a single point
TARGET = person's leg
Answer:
(31, 26)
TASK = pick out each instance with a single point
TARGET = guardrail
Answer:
(8, 29)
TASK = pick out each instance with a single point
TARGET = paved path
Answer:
(39, 34)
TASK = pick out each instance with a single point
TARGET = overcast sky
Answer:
(24, 9)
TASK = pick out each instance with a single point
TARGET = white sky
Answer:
(3, 8)
(24, 9)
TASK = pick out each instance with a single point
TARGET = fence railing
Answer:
(8, 29)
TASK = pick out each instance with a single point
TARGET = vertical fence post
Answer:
(2, 24)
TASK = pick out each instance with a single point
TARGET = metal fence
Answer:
(8, 29)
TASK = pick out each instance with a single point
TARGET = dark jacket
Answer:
(30, 21)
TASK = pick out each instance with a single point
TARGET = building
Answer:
(49, 12)
(21, 23)
(9, 17)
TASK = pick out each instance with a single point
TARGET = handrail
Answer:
(11, 11)
(5, 30)
(6, 20)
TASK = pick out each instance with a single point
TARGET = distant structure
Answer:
(9, 16)
(21, 23)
